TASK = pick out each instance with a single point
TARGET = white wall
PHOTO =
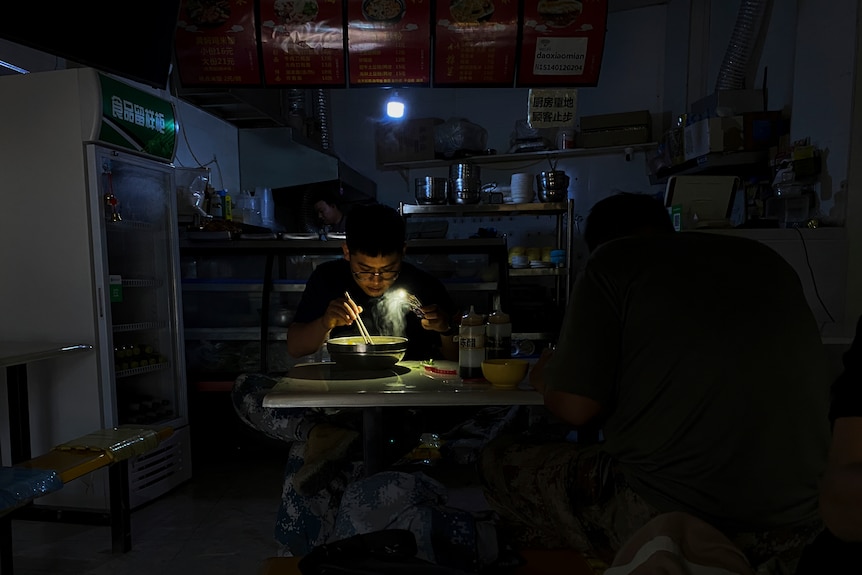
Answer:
(661, 58)
(631, 78)
(204, 140)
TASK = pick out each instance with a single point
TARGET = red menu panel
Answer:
(562, 42)
(475, 42)
(389, 42)
(216, 44)
(303, 42)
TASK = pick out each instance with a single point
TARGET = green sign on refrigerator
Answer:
(136, 120)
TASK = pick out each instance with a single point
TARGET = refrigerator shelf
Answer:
(143, 369)
(130, 226)
(142, 283)
(139, 326)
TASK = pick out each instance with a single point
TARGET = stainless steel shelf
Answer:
(470, 286)
(513, 272)
(543, 155)
(204, 285)
(234, 333)
(538, 209)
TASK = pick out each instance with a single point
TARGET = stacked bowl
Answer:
(522, 188)
(553, 186)
(465, 184)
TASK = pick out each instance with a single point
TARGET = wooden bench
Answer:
(28, 480)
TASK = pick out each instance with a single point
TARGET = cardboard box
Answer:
(713, 135)
(615, 129)
(406, 141)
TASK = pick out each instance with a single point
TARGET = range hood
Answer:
(278, 158)
(295, 170)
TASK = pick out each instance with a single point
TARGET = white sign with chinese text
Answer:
(560, 57)
(549, 108)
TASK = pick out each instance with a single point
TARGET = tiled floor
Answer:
(221, 522)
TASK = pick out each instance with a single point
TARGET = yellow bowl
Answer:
(505, 372)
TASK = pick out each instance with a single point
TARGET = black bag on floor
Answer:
(386, 552)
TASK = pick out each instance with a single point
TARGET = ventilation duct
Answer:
(731, 76)
(322, 111)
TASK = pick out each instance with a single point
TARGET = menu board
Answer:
(302, 42)
(475, 43)
(389, 42)
(216, 44)
(562, 42)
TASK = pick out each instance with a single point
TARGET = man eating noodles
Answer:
(376, 277)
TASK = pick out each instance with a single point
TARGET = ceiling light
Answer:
(395, 106)
(13, 67)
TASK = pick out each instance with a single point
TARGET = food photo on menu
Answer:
(471, 11)
(208, 13)
(559, 13)
(384, 11)
(296, 11)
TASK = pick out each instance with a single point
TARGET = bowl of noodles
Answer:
(471, 11)
(384, 11)
(352, 352)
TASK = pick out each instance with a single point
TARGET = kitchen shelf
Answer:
(454, 285)
(234, 333)
(558, 279)
(459, 210)
(520, 158)
(524, 272)
(732, 163)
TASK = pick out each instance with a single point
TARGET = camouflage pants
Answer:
(560, 495)
(302, 522)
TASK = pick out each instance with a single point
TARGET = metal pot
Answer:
(465, 172)
(553, 186)
(464, 191)
(431, 191)
(352, 352)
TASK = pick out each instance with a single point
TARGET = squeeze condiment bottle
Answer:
(498, 335)
(471, 345)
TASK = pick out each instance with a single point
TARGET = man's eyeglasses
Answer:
(368, 276)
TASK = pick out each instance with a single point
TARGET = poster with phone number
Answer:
(302, 42)
(389, 42)
(216, 43)
(563, 41)
(475, 43)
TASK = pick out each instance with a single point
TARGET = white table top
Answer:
(312, 385)
(19, 352)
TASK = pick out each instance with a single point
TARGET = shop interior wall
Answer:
(660, 58)
(204, 139)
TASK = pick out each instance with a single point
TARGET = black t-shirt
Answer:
(385, 315)
(827, 553)
(846, 400)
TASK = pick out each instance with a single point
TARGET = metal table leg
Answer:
(19, 412)
(6, 545)
(372, 439)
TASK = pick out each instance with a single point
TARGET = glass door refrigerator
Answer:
(90, 255)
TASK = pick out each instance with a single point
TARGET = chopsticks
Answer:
(362, 329)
